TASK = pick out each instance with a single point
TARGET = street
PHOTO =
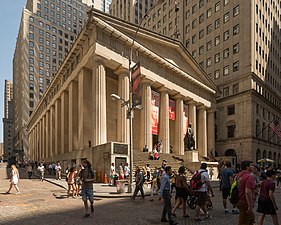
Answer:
(45, 203)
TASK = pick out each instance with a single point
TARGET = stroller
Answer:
(191, 202)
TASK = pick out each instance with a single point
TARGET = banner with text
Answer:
(155, 102)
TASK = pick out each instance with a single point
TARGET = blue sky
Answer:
(10, 15)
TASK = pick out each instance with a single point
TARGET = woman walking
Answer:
(78, 180)
(71, 182)
(266, 202)
(14, 175)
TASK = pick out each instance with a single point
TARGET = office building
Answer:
(237, 43)
(7, 146)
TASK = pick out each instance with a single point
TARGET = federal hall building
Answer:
(78, 119)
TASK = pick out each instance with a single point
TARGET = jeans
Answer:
(167, 206)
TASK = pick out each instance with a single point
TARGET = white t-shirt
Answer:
(112, 171)
(41, 168)
(204, 177)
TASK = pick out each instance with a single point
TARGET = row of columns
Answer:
(74, 118)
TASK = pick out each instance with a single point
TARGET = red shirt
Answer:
(246, 180)
(266, 186)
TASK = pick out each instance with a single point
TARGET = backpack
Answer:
(196, 180)
(234, 192)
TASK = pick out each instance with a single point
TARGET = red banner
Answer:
(155, 102)
(136, 86)
(172, 109)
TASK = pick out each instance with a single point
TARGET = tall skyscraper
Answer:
(8, 120)
(237, 43)
(47, 30)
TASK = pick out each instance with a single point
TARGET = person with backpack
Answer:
(246, 188)
(226, 182)
(266, 202)
(200, 184)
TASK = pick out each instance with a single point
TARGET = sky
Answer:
(10, 15)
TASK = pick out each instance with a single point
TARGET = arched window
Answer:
(258, 154)
(258, 127)
(264, 154)
(270, 155)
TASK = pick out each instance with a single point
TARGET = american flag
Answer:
(275, 127)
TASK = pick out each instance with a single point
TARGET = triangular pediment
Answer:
(168, 49)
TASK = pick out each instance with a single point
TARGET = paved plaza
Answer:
(45, 203)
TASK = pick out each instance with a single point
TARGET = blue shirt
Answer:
(165, 184)
(225, 174)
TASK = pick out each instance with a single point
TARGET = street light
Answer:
(129, 116)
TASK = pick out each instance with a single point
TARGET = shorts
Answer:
(201, 198)
(225, 192)
(87, 194)
(266, 207)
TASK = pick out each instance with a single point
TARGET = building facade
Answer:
(237, 43)
(77, 119)
(47, 30)
(7, 146)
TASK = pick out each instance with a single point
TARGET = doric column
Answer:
(41, 138)
(211, 130)
(73, 116)
(58, 127)
(36, 142)
(164, 134)
(44, 137)
(52, 131)
(84, 108)
(146, 117)
(48, 134)
(64, 122)
(202, 131)
(179, 127)
(99, 101)
(123, 123)
(192, 119)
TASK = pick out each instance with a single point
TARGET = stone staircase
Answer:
(173, 160)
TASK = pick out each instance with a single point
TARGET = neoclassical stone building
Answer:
(77, 118)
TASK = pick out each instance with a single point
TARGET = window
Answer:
(187, 14)
(236, 48)
(201, 50)
(194, 9)
(187, 29)
(235, 88)
(201, 18)
(217, 23)
(235, 66)
(209, 28)
(231, 131)
(217, 57)
(194, 24)
(226, 35)
(201, 3)
(209, 45)
(31, 36)
(236, 29)
(217, 40)
(225, 70)
(209, 12)
(31, 44)
(31, 60)
(201, 34)
(226, 2)
(226, 53)
(31, 86)
(193, 39)
(217, 74)
(217, 6)
(231, 110)
(226, 17)
(31, 77)
(225, 91)
(193, 54)
(31, 52)
(236, 11)
(187, 43)
(31, 104)
(31, 19)
(209, 62)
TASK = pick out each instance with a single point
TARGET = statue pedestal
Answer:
(192, 155)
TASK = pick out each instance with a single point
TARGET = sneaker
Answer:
(86, 215)
(226, 211)
(235, 211)
(17, 193)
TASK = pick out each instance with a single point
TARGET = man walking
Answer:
(165, 194)
(58, 171)
(226, 182)
(202, 193)
(246, 188)
(139, 183)
(87, 177)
